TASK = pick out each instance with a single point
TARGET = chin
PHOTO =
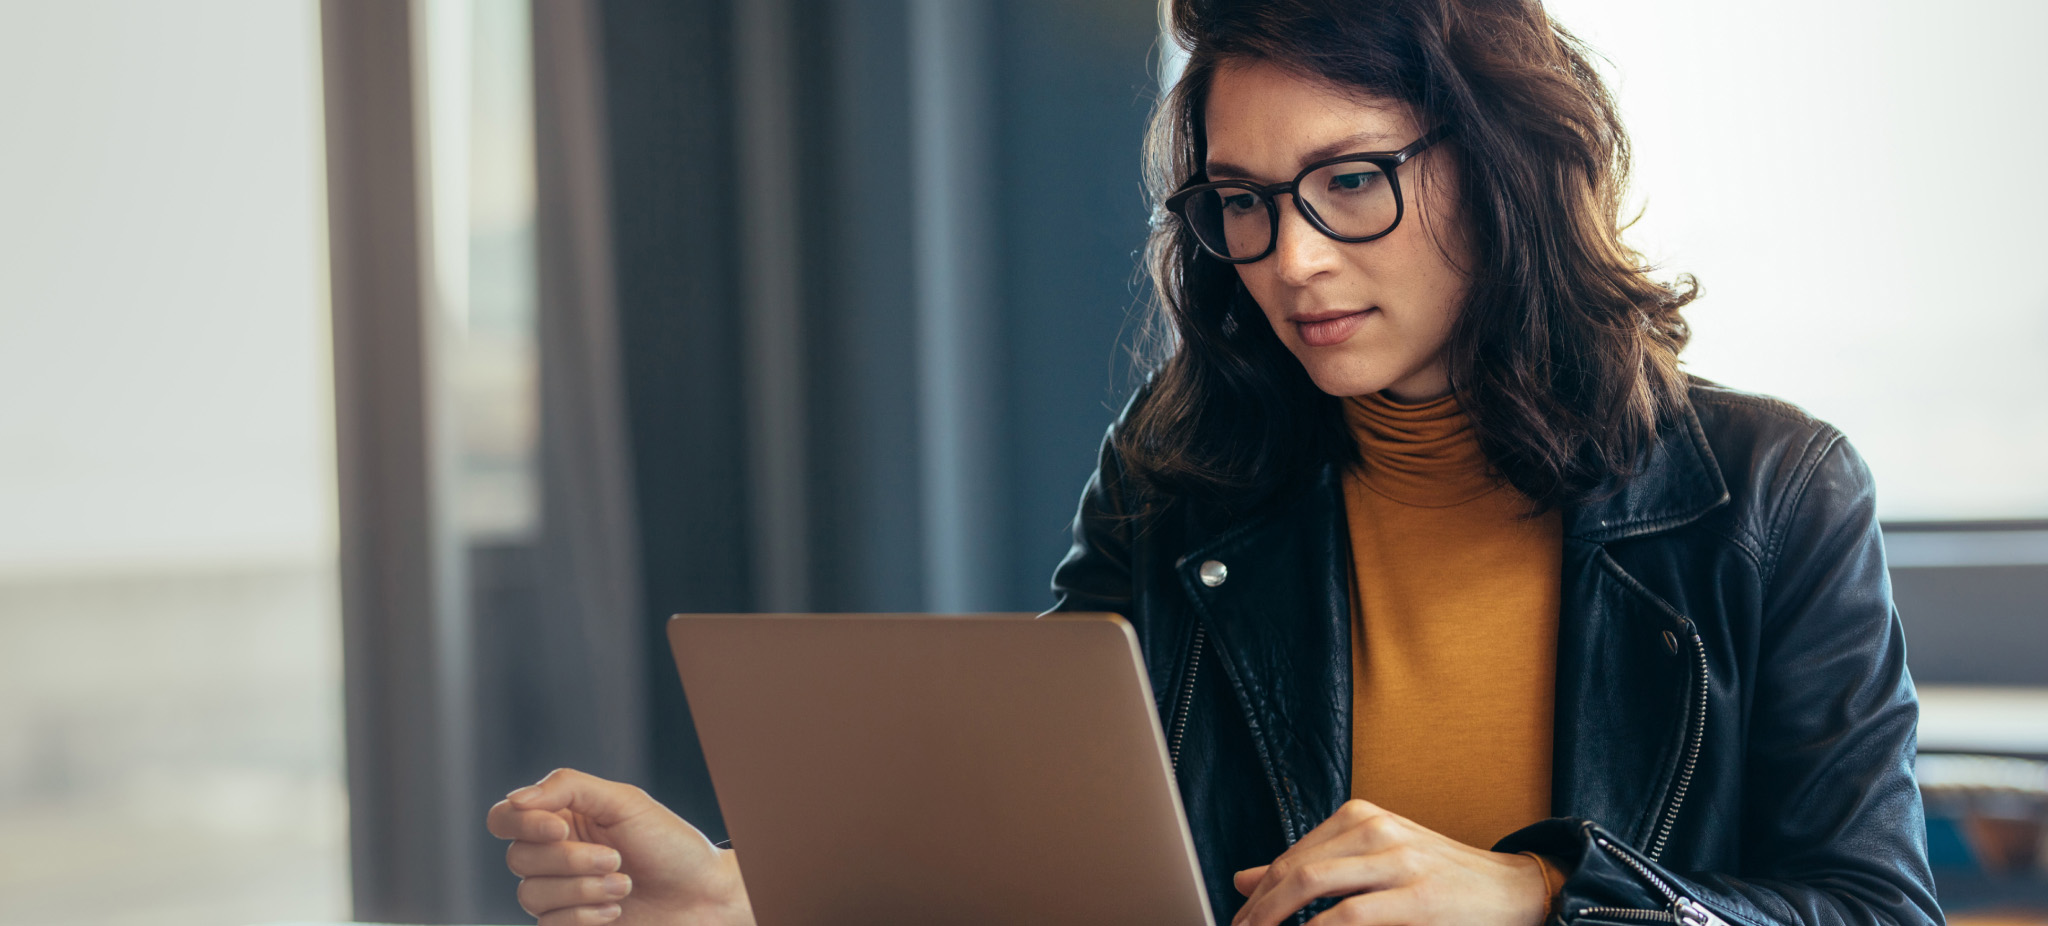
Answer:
(1361, 366)
(1346, 379)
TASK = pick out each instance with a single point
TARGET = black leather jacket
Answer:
(1735, 725)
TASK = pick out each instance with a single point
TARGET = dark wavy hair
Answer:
(1565, 352)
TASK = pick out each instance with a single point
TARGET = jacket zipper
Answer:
(1698, 731)
(1670, 896)
(1180, 728)
(1684, 911)
(1187, 694)
(1629, 913)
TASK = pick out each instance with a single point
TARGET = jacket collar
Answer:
(1677, 483)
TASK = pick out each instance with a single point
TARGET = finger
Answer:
(1340, 826)
(1354, 818)
(560, 859)
(1283, 891)
(581, 916)
(1357, 828)
(543, 895)
(508, 822)
(1248, 879)
(1379, 908)
(606, 803)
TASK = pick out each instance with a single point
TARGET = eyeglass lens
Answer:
(1355, 199)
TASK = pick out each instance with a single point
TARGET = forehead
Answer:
(1263, 121)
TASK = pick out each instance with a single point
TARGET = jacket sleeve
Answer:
(1831, 817)
(1095, 575)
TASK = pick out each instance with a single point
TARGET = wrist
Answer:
(1553, 883)
(730, 905)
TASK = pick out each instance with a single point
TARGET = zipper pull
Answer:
(1688, 913)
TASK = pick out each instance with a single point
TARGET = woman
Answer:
(1463, 604)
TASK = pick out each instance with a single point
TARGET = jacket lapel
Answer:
(1677, 483)
(1622, 684)
(1621, 696)
(1280, 621)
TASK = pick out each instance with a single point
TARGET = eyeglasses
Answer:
(1351, 197)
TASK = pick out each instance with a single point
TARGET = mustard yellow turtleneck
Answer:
(1454, 626)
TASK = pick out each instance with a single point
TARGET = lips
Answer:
(1324, 329)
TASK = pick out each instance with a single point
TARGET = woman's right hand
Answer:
(590, 851)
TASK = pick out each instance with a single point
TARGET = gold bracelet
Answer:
(1550, 886)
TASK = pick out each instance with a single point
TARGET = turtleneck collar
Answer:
(1425, 455)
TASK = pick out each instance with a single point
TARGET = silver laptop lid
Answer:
(926, 769)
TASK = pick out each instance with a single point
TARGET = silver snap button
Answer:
(1671, 641)
(1213, 573)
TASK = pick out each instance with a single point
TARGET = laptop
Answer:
(931, 769)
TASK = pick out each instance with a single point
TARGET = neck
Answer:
(1428, 384)
(1408, 396)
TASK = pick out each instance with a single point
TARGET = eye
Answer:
(1354, 180)
(1240, 202)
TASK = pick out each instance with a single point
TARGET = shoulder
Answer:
(1781, 464)
(1751, 434)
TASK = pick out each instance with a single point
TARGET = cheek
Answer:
(1441, 249)
(1422, 278)
(1424, 282)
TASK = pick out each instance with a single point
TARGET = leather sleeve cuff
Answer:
(1608, 881)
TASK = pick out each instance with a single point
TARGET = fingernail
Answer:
(616, 885)
(523, 795)
(608, 912)
(608, 860)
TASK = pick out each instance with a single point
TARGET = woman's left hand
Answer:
(1391, 870)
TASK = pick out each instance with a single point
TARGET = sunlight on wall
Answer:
(1855, 186)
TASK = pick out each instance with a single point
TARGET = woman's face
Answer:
(1362, 317)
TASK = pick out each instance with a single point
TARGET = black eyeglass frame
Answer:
(1385, 160)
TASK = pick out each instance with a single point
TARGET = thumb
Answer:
(603, 802)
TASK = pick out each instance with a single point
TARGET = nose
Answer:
(1300, 252)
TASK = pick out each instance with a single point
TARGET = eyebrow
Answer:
(1224, 170)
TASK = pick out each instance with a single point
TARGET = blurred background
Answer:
(377, 375)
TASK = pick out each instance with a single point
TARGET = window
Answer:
(170, 698)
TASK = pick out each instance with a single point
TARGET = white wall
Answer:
(164, 385)
(1859, 187)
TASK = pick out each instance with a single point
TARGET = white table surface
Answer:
(1956, 718)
